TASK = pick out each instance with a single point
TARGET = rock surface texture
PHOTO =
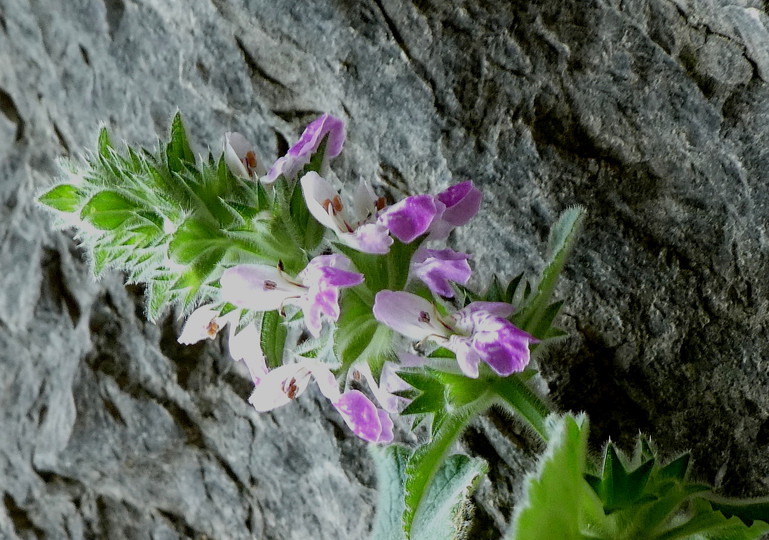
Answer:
(653, 114)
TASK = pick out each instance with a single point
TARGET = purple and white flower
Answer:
(287, 382)
(205, 323)
(369, 225)
(389, 383)
(302, 151)
(358, 228)
(438, 267)
(315, 290)
(461, 201)
(479, 332)
(240, 157)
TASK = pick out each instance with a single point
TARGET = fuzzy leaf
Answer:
(677, 469)
(558, 502)
(359, 337)
(196, 239)
(748, 510)
(178, 151)
(514, 395)
(494, 293)
(424, 464)
(445, 506)
(108, 210)
(64, 198)
(563, 235)
(710, 524)
(273, 338)
(104, 146)
(511, 289)
(431, 397)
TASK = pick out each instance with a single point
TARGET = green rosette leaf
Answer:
(447, 505)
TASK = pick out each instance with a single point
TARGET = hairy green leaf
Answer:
(513, 394)
(446, 504)
(178, 151)
(558, 502)
(709, 524)
(359, 337)
(108, 210)
(273, 338)
(64, 198)
(563, 235)
(424, 464)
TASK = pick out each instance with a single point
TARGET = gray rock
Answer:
(653, 114)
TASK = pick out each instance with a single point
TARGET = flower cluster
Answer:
(361, 225)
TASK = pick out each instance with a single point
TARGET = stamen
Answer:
(270, 285)
(337, 204)
(250, 160)
(380, 203)
(290, 388)
(212, 328)
(424, 317)
(282, 307)
(327, 205)
(437, 337)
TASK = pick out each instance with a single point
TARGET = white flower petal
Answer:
(369, 238)
(258, 287)
(244, 346)
(317, 191)
(235, 148)
(408, 314)
(325, 379)
(467, 357)
(364, 201)
(280, 386)
(203, 323)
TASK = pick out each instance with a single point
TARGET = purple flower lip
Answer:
(438, 268)
(302, 151)
(479, 332)
(462, 202)
(410, 218)
(364, 418)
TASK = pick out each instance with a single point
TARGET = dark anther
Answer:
(270, 285)
(424, 317)
(380, 203)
